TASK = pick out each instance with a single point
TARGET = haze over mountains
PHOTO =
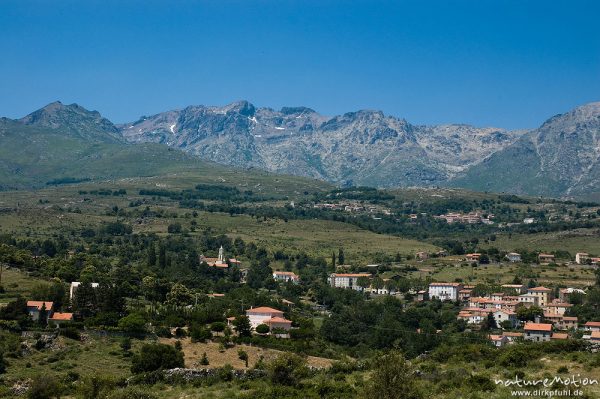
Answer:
(560, 158)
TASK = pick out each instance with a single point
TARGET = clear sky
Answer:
(498, 63)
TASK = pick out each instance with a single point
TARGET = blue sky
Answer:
(498, 63)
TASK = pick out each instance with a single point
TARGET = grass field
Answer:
(16, 283)
(219, 357)
(580, 240)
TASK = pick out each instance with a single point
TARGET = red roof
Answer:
(263, 309)
(560, 336)
(62, 316)
(351, 275)
(592, 324)
(537, 327)
(38, 304)
(279, 320)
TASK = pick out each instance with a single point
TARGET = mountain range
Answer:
(560, 158)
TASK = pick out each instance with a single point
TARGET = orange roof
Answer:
(263, 309)
(537, 327)
(560, 336)
(446, 284)
(569, 318)
(62, 316)
(595, 335)
(512, 334)
(351, 275)
(496, 337)
(38, 304)
(279, 320)
(592, 324)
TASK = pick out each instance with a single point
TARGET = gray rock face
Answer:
(560, 158)
(361, 148)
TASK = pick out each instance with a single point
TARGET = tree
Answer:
(162, 257)
(151, 256)
(174, 228)
(242, 326)
(392, 378)
(43, 316)
(341, 258)
(489, 323)
(84, 300)
(243, 355)
(3, 363)
(133, 324)
(262, 329)
(204, 360)
(126, 344)
(153, 357)
(363, 282)
(287, 369)
(333, 261)
(179, 295)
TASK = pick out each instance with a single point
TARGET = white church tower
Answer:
(221, 255)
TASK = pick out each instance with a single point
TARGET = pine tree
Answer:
(151, 256)
(333, 261)
(162, 257)
(341, 259)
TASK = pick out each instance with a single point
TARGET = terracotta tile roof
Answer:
(279, 320)
(38, 304)
(350, 275)
(61, 316)
(263, 309)
(569, 318)
(595, 335)
(592, 324)
(512, 334)
(559, 336)
(446, 284)
(537, 327)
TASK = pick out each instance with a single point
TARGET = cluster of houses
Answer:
(583, 258)
(502, 306)
(43, 312)
(352, 207)
(466, 218)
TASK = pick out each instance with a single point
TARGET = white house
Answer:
(34, 308)
(581, 258)
(505, 315)
(76, 284)
(445, 291)
(347, 280)
(286, 276)
(269, 316)
(538, 332)
(513, 257)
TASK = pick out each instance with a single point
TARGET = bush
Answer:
(200, 334)
(131, 393)
(153, 357)
(44, 387)
(287, 369)
(262, 329)
(133, 324)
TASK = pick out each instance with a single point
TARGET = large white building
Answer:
(347, 280)
(445, 291)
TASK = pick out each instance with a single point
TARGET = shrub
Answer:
(153, 357)
(287, 369)
(262, 329)
(44, 387)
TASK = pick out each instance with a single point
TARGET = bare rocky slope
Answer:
(359, 148)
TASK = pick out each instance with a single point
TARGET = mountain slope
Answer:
(560, 158)
(360, 148)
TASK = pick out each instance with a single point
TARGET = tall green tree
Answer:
(341, 258)
(392, 378)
